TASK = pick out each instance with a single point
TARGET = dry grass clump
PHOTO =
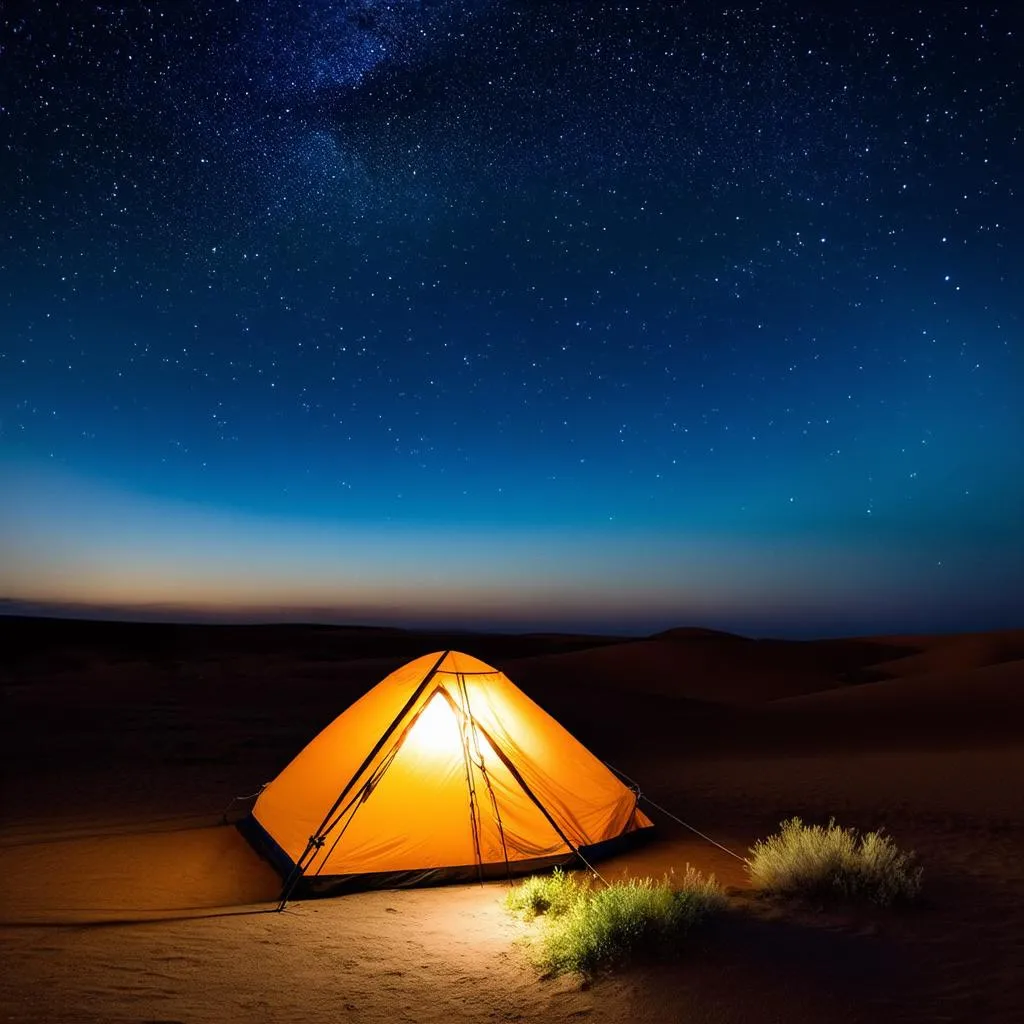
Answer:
(550, 894)
(588, 928)
(826, 861)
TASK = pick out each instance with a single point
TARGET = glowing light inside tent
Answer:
(436, 732)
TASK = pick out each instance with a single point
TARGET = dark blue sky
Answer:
(529, 314)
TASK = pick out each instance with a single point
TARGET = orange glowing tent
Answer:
(444, 771)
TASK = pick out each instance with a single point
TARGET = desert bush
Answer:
(591, 928)
(544, 894)
(825, 861)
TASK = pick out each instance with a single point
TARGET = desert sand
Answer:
(124, 898)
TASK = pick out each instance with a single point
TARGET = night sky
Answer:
(613, 316)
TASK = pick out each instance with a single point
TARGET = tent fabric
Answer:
(443, 770)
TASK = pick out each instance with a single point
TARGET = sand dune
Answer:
(121, 898)
(711, 667)
(998, 688)
(953, 653)
(957, 708)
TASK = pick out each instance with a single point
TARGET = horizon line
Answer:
(319, 617)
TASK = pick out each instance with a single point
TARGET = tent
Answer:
(445, 771)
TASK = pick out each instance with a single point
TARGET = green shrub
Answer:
(829, 861)
(590, 928)
(544, 894)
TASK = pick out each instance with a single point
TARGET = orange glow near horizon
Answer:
(136, 553)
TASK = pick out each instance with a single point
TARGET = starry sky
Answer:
(519, 314)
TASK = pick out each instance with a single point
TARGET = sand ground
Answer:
(122, 897)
